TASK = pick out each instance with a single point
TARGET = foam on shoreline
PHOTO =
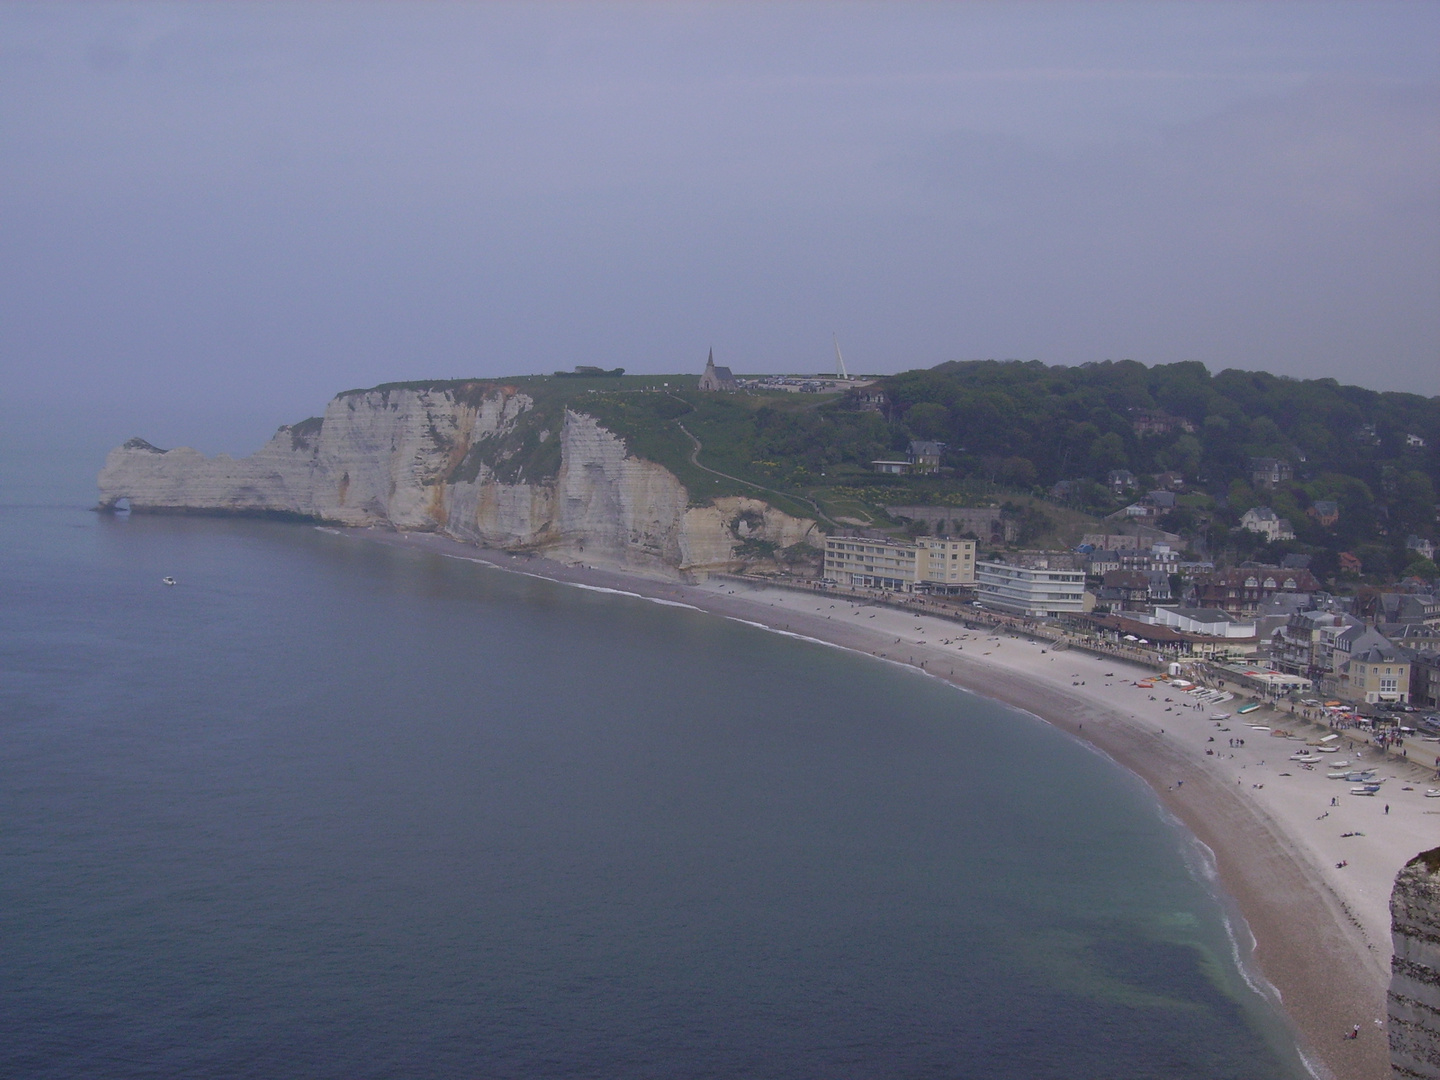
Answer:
(1317, 934)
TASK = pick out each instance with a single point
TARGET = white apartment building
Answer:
(1030, 590)
(936, 564)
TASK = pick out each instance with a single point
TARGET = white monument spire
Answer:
(840, 372)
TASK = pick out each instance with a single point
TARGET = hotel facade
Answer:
(929, 564)
(1037, 590)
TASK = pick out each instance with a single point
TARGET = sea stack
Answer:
(1415, 969)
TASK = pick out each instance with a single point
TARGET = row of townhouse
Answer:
(1305, 645)
(1134, 590)
(1246, 588)
(1358, 661)
(1157, 557)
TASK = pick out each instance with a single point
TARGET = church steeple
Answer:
(716, 378)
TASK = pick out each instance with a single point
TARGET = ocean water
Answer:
(327, 808)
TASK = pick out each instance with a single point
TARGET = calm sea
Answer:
(331, 809)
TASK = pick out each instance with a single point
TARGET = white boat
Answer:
(1327, 749)
(1368, 789)
(1432, 793)
(1306, 759)
(1219, 716)
(168, 580)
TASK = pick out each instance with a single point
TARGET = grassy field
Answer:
(655, 426)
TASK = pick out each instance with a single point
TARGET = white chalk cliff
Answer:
(453, 459)
(1415, 969)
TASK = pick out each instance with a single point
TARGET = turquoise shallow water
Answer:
(331, 809)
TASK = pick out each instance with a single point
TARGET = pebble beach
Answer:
(1309, 865)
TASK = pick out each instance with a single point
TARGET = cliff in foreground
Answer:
(477, 461)
(1415, 969)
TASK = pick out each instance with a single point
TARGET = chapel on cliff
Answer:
(717, 378)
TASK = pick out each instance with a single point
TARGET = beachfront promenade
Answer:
(1302, 719)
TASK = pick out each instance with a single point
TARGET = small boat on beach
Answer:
(1219, 716)
(1248, 708)
(168, 580)
(1432, 793)
(1306, 759)
(1368, 789)
(1327, 749)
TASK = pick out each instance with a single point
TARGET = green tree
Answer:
(1106, 453)
(929, 421)
(1421, 567)
(1018, 472)
(1241, 497)
(1413, 508)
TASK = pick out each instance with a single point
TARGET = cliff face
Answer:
(1415, 969)
(454, 459)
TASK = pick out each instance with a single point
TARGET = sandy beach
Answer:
(1309, 865)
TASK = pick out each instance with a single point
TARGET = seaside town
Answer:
(1357, 652)
(1368, 659)
(1265, 594)
(1223, 582)
(721, 539)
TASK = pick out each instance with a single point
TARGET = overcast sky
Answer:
(214, 218)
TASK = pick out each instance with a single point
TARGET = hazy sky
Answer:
(229, 213)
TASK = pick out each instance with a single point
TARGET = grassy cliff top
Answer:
(806, 454)
(1361, 469)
